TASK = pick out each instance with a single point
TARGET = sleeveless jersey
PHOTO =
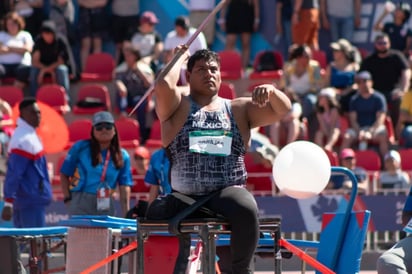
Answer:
(208, 152)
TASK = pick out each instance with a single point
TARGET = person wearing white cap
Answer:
(393, 177)
(327, 114)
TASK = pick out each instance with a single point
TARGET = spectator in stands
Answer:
(398, 30)
(306, 23)
(289, 124)
(404, 125)
(393, 177)
(198, 11)
(179, 36)
(34, 14)
(390, 73)
(132, 79)
(367, 114)
(49, 58)
(148, 41)
(141, 157)
(15, 49)
(342, 181)
(341, 17)
(301, 74)
(340, 73)
(240, 18)
(6, 126)
(157, 175)
(62, 13)
(93, 169)
(267, 154)
(5, 7)
(284, 11)
(125, 20)
(328, 115)
(27, 189)
(398, 259)
(94, 26)
(262, 148)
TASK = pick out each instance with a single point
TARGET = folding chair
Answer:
(342, 238)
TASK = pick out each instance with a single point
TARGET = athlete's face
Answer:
(205, 77)
(31, 114)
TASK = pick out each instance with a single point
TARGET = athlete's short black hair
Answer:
(202, 54)
(27, 101)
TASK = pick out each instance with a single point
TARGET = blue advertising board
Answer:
(297, 215)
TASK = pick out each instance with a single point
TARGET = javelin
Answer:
(177, 55)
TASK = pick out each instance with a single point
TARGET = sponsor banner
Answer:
(297, 215)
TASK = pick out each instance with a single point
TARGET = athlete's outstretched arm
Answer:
(168, 96)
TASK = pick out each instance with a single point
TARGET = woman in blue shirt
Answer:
(94, 168)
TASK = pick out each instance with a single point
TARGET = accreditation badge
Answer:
(211, 142)
(103, 197)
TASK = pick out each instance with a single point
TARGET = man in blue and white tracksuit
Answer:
(27, 188)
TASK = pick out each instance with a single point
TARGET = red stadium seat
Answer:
(267, 74)
(230, 65)
(79, 130)
(155, 138)
(128, 131)
(227, 90)
(320, 56)
(406, 159)
(259, 177)
(11, 94)
(99, 68)
(92, 98)
(54, 96)
(333, 157)
(368, 159)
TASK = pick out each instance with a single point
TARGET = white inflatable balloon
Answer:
(301, 169)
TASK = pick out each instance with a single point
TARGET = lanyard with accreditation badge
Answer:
(103, 191)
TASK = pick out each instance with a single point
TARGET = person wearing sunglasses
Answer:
(93, 169)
